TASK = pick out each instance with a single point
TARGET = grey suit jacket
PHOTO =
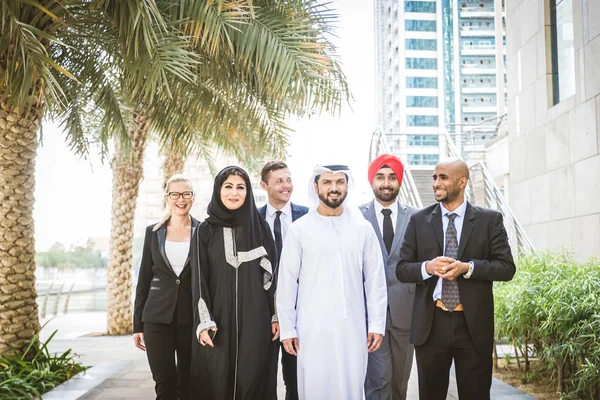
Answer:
(400, 295)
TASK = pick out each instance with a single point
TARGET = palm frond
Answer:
(27, 30)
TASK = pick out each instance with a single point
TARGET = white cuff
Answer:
(203, 327)
(424, 273)
(288, 335)
(468, 274)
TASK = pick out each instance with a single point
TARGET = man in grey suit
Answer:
(389, 367)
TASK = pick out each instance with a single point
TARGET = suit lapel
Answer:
(263, 211)
(295, 212)
(401, 222)
(436, 222)
(467, 228)
(186, 267)
(162, 235)
(372, 218)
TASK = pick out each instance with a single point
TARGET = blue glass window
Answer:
(421, 63)
(420, 26)
(421, 82)
(422, 120)
(420, 6)
(423, 159)
(421, 44)
(421, 101)
(423, 140)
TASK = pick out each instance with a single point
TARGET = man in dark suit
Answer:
(454, 251)
(389, 367)
(280, 212)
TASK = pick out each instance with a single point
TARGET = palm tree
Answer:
(211, 73)
(27, 90)
(257, 62)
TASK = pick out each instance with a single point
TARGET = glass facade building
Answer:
(439, 69)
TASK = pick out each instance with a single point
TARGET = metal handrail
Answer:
(492, 195)
(494, 199)
(408, 191)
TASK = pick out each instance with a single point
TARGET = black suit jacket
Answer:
(160, 292)
(483, 240)
(297, 211)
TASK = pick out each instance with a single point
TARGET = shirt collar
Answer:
(286, 210)
(394, 206)
(460, 210)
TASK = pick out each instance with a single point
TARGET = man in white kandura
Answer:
(331, 292)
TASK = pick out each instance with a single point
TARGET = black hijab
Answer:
(252, 230)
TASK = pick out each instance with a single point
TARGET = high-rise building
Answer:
(440, 67)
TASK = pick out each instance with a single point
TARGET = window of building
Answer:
(421, 44)
(422, 120)
(423, 140)
(420, 26)
(423, 159)
(421, 82)
(421, 63)
(563, 52)
(421, 101)
(420, 6)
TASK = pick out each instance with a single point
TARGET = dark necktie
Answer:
(277, 233)
(450, 295)
(388, 229)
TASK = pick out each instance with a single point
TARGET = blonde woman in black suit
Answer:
(162, 320)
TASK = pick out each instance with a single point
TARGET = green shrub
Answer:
(36, 371)
(551, 310)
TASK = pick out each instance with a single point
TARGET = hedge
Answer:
(551, 310)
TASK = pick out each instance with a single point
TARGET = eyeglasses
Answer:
(176, 195)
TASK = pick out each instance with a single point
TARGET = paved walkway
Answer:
(120, 371)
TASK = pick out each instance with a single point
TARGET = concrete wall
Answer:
(554, 150)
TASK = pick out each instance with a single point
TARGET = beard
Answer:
(386, 197)
(333, 203)
(447, 196)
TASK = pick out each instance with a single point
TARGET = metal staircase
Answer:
(481, 191)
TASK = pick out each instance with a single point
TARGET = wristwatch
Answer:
(467, 275)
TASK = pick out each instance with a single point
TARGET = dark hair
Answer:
(270, 167)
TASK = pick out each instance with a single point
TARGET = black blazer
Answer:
(483, 240)
(160, 292)
(297, 211)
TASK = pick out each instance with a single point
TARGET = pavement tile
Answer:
(129, 375)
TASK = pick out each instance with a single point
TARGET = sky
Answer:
(73, 196)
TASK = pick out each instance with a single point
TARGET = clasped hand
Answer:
(446, 267)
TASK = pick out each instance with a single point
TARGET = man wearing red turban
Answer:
(389, 367)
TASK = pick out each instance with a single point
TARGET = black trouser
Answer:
(163, 341)
(290, 374)
(450, 339)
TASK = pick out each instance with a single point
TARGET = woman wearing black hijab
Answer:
(233, 287)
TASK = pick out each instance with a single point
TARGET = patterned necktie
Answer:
(277, 233)
(450, 295)
(388, 229)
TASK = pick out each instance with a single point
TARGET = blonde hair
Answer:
(175, 178)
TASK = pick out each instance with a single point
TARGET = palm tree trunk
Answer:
(127, 166)
(174, 163)
(19, 319)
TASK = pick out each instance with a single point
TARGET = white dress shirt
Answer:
(394, 207)
(177, 253)
(286, 218)
(458, 224)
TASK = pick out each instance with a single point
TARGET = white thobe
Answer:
(329, 268)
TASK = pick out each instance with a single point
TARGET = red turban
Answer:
(388, 160)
